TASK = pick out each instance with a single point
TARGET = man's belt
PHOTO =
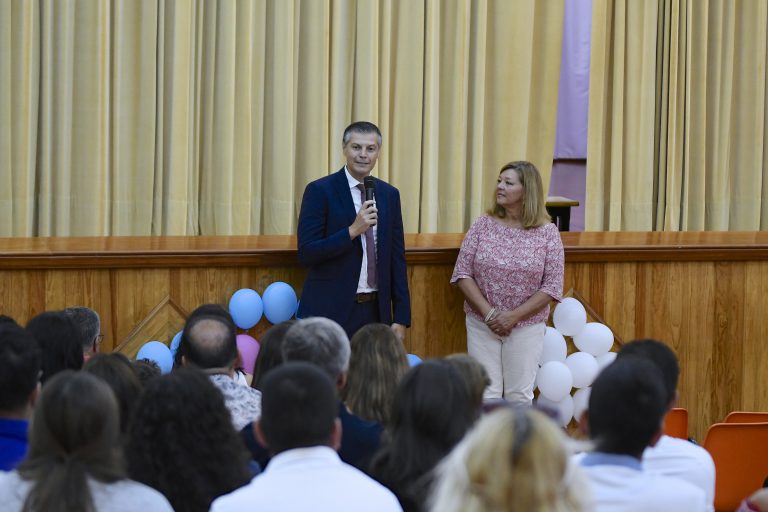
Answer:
(365, 297)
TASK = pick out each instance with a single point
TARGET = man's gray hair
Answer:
(88, 323)
(319, 341)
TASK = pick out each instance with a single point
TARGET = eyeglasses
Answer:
(99, 338)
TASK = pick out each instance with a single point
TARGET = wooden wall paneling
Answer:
(437, 313)
(135, 294)
(755, 352)
(22, 293)
(727, 348)
(620, 293)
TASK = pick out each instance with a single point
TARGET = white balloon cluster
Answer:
(560, 372)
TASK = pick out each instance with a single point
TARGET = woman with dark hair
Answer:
(270, 351)
(377, 363)
(181, 441)
(59, 340)
(115, 369)
(74, 460)
(432, 411)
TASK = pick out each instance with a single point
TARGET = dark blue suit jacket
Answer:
(334, 260)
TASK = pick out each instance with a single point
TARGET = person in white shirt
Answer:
(625, 415)
(299, 426)
(672, 456)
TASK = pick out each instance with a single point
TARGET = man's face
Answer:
(361, 152)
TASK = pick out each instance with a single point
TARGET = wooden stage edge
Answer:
(262, 250)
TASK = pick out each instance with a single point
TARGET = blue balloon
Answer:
(175, 344)
(414, 360)
(158, 352)
(246, 308)
(280, 302)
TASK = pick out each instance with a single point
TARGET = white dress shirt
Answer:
(357, 199)
(619, 484)
(682, 459)
(313, 479)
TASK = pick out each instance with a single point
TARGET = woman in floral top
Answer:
(510, 268)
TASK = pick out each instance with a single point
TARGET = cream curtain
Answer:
(677, 119)
(139, 117)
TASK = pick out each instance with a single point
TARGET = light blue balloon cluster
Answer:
(414, 360)
(158, 352)
(278, 304)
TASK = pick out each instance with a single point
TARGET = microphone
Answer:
(370, 184)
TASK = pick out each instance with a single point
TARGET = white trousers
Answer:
(511, 361)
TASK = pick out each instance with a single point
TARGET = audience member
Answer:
(203, 310)
(116, 370)
(59, 341)
(89, 325)
(377, 363)
(209, 343)
(146, 370)
(74, 460)
(324, 343)
(270, 351)
(300, 427)
(625, 414)
(19, 387)
(474, 375)
(671, 456)
(181, 441)
(5, 319)
(432, 411)
(513, 459)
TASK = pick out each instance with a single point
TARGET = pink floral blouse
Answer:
(509, 265)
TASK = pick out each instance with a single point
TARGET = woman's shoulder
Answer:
(129, 495)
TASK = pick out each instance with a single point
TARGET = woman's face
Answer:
(509, 190)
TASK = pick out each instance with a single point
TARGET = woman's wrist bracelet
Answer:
(489, 315)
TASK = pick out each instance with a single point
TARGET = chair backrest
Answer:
(746, 417)
(740, 452)
(676, 423)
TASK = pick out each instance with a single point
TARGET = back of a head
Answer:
(271, 352)
(146, 370)
(209, 341)
(59, 341)
(626, 406)
(298, 407)
(115, 369)
(204, 310)
(181, 441)
(662, 356)
(377, 363)
(514, 459)
(319, 341)
(19, 368)
(88, 324)
(473, 373)
(74, 434)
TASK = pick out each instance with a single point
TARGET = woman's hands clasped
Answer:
(502, 322)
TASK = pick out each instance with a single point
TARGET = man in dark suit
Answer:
(354, 249)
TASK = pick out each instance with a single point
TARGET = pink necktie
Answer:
(370, 246)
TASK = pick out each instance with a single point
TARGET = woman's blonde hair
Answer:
(534, 212)
(377, 363)
(511, 460)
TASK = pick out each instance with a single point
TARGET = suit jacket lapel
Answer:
(344, 196)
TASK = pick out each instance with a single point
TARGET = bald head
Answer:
(210, 342)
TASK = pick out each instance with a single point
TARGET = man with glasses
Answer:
(89, 325)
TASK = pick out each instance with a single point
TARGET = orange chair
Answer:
(740, 452)
(746, 417)
(676, 423)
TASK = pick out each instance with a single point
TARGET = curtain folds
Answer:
(677, 119)
(137, 117)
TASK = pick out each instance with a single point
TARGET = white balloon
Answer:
(584, 368)
(580, 402)
(564, 408)
(595, 338)
(569, 317)
(554, 380)
(604, 360)
(555, 348)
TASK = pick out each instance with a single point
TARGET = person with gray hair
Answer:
(89, 325)
(324, 343)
